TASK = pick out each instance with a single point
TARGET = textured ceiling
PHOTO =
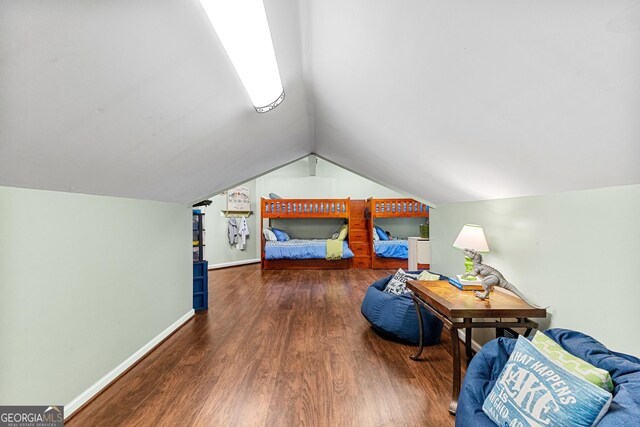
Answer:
(138, 99)
(467, 100)
(445, 100)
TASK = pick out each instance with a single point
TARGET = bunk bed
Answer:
(286, 255)
(393, 253)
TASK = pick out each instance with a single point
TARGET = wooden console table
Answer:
(457, 309)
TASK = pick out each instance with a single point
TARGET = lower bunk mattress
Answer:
(391, 248)
(301, 249)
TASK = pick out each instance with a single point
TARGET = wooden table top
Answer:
(456, 303)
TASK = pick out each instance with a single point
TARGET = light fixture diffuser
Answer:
(243, 29)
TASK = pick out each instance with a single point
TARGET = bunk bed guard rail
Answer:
(398, 207)
(305, 208)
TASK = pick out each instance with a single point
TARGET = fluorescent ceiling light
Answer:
(244, 32)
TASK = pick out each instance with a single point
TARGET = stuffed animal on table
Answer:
(490, 277)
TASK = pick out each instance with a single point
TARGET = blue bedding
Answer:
(301, 249)
(391, 248)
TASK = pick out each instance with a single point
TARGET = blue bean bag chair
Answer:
(394, 316)
(486, 366)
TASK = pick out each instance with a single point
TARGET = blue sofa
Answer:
(395, 317)
(486, 366)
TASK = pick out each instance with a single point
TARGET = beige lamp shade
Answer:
(472, 237)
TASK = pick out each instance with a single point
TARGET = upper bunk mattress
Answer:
(301, 249)
(391, 248)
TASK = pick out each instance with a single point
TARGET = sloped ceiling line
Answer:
(445, 101)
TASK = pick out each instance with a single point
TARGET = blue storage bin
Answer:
(200, 269)
(201, 301)
(201, 285)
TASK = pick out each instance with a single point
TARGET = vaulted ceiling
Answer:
(446, 100)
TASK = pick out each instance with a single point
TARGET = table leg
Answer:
(467, 344)
(455, 355)
(420, 338)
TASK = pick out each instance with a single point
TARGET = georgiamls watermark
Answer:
(32, 416)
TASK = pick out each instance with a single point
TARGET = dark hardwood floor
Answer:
(280, 348)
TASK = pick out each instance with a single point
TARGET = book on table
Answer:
(466, 285)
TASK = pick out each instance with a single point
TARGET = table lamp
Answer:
(471, 237)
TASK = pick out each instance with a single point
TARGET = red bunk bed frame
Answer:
(391, 208)
(302, 208)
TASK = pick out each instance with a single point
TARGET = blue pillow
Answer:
(381, 233)
(280, 235)
(533, 390)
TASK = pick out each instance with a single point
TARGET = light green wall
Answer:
(291, 181)
(401, 227)
(85, 281)
(217, 249)
(575, 252)
(331, 181)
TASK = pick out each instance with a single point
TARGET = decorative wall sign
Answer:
(238, 199)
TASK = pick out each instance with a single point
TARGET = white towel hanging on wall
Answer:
(243, 233)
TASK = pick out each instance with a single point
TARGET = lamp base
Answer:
(468, 279)
(468, 266)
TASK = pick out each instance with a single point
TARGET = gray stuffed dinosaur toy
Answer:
(490, 277)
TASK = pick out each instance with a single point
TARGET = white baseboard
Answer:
(474, 344)
(84, 397)
(233, 263)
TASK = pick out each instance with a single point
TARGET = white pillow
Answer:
(397, 284)
(375, 235)
(269, 235)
